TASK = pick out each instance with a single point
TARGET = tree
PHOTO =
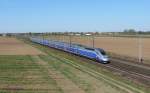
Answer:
(129, 31)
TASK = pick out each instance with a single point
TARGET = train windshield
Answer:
(102, 51)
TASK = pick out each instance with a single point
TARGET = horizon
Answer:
(22, 16)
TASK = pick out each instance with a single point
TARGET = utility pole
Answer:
(140, 47)
(43, 37)
(30, 34)
(70, 39)
(93, 40)
(49, 38)
(63, 37)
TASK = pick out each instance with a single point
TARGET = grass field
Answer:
(21, 74)
(83, 72)
(58, 72)
(124, 46)
(19, 71)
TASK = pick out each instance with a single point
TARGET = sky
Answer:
(73, 15)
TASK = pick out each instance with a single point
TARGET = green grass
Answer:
(82, 79)
(68, 71)
(101, 70)
(21, 74)
(75, 77)
(94, 67)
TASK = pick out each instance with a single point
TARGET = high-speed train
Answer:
(97, 54)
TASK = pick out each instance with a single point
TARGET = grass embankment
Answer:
(21, 74)
(90, 78)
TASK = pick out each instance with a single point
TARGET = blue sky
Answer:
(73, 15)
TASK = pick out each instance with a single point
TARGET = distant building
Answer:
(88, 34)
(78, 34)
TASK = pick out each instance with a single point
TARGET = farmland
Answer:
(53, 71)
(20, 74)
(74, 46)
(12, 46)
(122, 46)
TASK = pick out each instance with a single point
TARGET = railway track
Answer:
(141, 78)
(132, 71)
(137, 73)
(98, 75)
(143, 71)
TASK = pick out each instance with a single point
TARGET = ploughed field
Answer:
(32, 68)
(52, 71)
(12, 46)
(124, 46)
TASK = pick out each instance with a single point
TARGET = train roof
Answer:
(79, 45)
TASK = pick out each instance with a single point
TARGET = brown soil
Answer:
(12, 46)
(118, 45)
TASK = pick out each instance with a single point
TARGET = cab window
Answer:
(102, 51)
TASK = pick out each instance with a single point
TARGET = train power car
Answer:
(97, 54)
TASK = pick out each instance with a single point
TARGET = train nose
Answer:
(106, 58)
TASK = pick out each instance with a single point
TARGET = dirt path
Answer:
(65, 84)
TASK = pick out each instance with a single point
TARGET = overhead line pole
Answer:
(43, 37)
(93, 40)
(140, 48)
(70, 41)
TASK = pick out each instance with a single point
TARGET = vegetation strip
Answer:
(123, 84)
(21, 74)
(65, 84)
(93, 73)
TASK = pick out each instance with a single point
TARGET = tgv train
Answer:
(97, 54)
